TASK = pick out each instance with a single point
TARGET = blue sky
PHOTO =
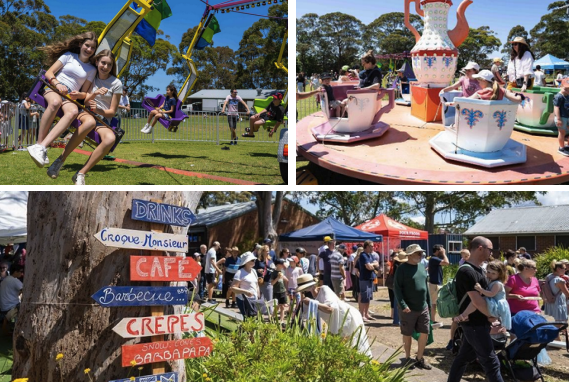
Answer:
(500, 16)
(186, 14)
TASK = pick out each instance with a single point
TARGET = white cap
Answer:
(472, 65)
(485, 75)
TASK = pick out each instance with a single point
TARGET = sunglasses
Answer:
(234, 92)
(515, 44)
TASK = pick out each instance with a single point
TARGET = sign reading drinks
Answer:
(167, 377)
(152, 241)
(163, 268)
(161, 213)
(141, 296)
(166, 351)
(151, 326)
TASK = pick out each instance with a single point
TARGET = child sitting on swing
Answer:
(165, 110)
(274, 112)
(72, 61)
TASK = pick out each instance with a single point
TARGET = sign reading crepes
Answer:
(161, 213)
(163, 268)
(152, 241)
(141, 296)
(150, 326)
(166, 377)
(166, 351)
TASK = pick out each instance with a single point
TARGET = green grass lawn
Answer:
(6, 358)
(256, 162)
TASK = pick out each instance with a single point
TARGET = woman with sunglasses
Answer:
(522, 289)
(520, 66)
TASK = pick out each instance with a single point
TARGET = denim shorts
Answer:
(564, 122)
(366, 291)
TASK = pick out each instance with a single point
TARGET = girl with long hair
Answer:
(166, 110)
(520, 66)
(72, 61)
(491, 89)
(103, 99)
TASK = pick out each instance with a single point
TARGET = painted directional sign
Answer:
(140, 296)
(166, 377)
(126, 238)
(166, 350)
(151, 326)
(163, 268)
(161, 213)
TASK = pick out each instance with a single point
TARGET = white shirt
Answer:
(75, 72)
(247, 281)
(115, 87)
(210, 259)
(10, 293)
(124, 101)
(539, 78)
(520, 68)
(558, 79)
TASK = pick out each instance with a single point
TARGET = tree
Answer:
(388, 33)
(65, 266)
(517, 31)
(341, 39)
(479, 44)
(216, 198)
(268, 216)
(549, 36)
(308, 36)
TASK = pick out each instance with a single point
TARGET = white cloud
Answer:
(554, 198)
(418, 219)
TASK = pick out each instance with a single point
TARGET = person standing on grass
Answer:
(233, 112)
(211, 269)
(326, 270)
(124, 106)
(477, 343)
(437, 261)
(365, 266)
(338, 274)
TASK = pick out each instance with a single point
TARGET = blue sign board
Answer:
(161, 213)
(167, 377)
(140, 296)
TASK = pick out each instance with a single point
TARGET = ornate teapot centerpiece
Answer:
(435, 54)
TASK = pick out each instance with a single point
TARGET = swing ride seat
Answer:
(93, 138)
(261, 104)
(172, 123)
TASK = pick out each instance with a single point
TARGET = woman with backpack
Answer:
(558, 308)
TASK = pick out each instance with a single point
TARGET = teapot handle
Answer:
(408, 22)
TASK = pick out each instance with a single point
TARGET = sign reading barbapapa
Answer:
(166, 377)
(163, 268)
(153, 212)
(152, 241)
(166, 350)
(140, 296)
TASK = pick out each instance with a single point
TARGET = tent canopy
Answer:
(407, 70)
(13, 217)
(550, 62)
(385, 226)
(329, 227)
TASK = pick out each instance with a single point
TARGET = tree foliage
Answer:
(517, 31)
(388, 33)
(480, 43)
(549, 36)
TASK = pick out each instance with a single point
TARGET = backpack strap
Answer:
(466, 294)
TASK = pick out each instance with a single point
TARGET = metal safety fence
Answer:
(19, 128)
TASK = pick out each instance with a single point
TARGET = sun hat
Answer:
(472, 65)
(401, 257)
(235, 249)
(497, 59)
(485, 75)
(305, 282)
(519, 40)
(327, 239)
(245, 258)
(413, 248)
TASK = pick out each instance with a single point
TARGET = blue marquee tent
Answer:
(549, 62)
(329, 227)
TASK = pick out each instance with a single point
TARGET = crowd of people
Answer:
(12, 262)
(491, 290)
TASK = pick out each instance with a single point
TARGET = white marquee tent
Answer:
(13, 217)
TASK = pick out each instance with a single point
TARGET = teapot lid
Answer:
(449, 2)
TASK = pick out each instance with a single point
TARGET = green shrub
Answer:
(261, 351)
(544, 259)
(449, 272)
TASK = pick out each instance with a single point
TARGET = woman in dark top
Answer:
(370, 78)
(165, 110)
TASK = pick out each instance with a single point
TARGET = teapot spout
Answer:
(460, 32)
(408, 22)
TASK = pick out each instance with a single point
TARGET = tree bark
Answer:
(65, 266)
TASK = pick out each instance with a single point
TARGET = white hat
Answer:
(472, 65)
(305, 282)
(485, 75)
(245, 258)
(413, 248)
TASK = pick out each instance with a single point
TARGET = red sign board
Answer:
(163, 268)
(166, 351)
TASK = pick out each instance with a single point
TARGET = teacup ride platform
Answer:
(478, 132)
(403, 156)
(364, 111)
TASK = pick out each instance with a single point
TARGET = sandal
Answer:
(248, 129)
(248, 135)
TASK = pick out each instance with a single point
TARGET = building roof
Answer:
(523, 220)
(243, 93)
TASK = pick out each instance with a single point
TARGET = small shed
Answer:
(213, 99)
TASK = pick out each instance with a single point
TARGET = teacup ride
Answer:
(535, 114)
(404, 92)
(363, 115)
(478, 132)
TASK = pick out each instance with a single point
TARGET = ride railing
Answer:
(18, 128)
(307, 106)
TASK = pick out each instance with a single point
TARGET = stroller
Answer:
(533, 333)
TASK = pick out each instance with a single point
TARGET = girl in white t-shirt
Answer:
(103, 98)
(75, 73)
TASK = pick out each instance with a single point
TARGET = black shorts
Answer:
(210, 278)
(232, 120)
(281, 298)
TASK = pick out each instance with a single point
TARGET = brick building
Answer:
(535, 228)
(237, 224)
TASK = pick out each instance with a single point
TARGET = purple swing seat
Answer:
(172, 123)
(36, 94)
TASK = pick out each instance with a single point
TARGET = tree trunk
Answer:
(430, 204)
(65, 266)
